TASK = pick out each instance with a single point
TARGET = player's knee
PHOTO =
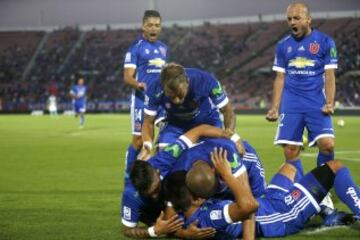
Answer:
(288, 170)
(291, 152)
(136, 141)
(326, 145)
(335, 165)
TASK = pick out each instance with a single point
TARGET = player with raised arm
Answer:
(142, 65)
(78, 95)
(284, 209)
(190, 97)
(142, 199)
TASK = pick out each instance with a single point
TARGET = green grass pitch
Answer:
(61, 182)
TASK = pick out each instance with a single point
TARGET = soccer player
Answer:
(142, 65)
(284, 209)
(190, 97)
(144, 203)
(78, 94)
(304, 88)
(52, 106)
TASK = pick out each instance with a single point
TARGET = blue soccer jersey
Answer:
(205, 95)
(147, 58)
(283, 210)
(250, 162)
(79, 102)
(165, 159)
(135, 208)
(304, 61)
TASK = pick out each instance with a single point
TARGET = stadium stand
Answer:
(34, 64)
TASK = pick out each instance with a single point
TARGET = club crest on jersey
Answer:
(314, 47)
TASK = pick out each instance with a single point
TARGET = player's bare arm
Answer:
(192, 231)
(330, 89)
(162, 227)
(273, 113)
(205, 130)
(245, 203)
(147, 132)
(129, 79)
(229, 116)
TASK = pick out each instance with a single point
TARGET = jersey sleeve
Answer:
(330, 58)
(279, 60)
(217, 215)
(130, 60)
(216, 92)
(130, 209)
(167, 158)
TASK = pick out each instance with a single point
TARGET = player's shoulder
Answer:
(162, 44)
(285, 40)
(194, 74)
(321, 36)
(138, 42)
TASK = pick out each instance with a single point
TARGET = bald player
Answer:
(304, 88)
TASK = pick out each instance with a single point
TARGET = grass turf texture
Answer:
(61, 182)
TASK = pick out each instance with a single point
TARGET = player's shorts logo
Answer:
(314, 48)
(296, 194)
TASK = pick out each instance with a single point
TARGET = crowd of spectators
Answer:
(239, 55)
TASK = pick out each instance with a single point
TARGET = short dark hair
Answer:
(150, 13)
(172, 75)
(142, 176)
(177, 192)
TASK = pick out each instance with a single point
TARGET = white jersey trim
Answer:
(223, 103)
(288, 142)
(226, 214)
(310, 197)
(331, 66)
(129, 65)
(128, 224)
(312, 143)
(150, 112)
(273, 186)
(186, 140)
(278, 69)
(240, 171)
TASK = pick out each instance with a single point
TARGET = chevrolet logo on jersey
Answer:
(157, 62)
(301, 62)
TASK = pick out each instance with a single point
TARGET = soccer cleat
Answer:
(339, 218)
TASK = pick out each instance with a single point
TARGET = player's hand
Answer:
(272, 115)
(144, 154)
(193, 232)
(170, 225)
(220, 161)
(328, 109)
(140, 86)
(228, 133)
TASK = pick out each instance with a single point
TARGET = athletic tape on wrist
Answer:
(235, 137)
(151, 231)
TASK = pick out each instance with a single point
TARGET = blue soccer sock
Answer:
(130, 157)
(298, 165)
(347, 190)
(324, 157)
